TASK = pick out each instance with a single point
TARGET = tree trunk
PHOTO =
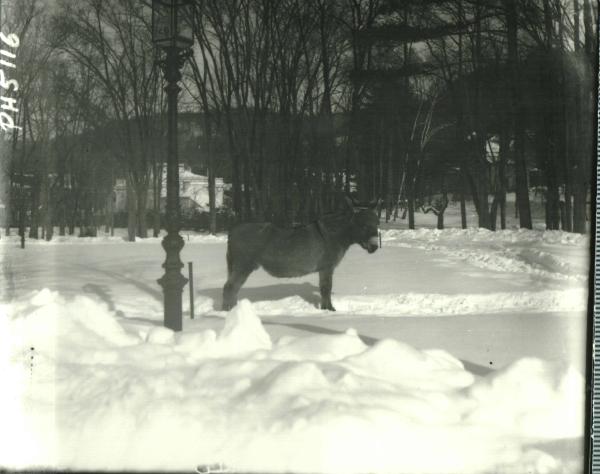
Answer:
(62, 196)
(460, 127)
(518, 123)
(93, 226)
(110, 212)
(494, 212)
(11, 201)
(552, 205)
(411, 206)
(479, 201)
(548, 158)
(576, 25)
(579, 209)
(131, 209)
(484, 215)
(142, 204)
(502, 184)
(157, 181)
(48, 227)
(107, 203)
(389, 200)
(212, 200)
(35, 209)
(443, 205)
(113, 201)
(22, 223)
(237, 187)
(247, 189)
(74, 209)
(463, 209)
(588, 31)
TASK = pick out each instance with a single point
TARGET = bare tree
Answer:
(112, 39)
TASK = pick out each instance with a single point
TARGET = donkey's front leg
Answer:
(235, 281)
(325, 284)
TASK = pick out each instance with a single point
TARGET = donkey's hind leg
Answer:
(325, 285)
(237, 277)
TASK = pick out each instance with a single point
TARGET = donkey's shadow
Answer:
(307, 291)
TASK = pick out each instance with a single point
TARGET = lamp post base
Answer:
(172, 281)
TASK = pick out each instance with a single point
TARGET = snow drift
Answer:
(83, 392)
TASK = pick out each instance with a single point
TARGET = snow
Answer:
(451, 351)
(119, 238)
(243, 331)
(99, 397)
(498, 251)
(432, 304)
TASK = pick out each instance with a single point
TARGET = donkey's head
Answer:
(365, 224)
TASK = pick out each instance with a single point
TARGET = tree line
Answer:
(298, 102)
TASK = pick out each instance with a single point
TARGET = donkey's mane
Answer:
(335, 221)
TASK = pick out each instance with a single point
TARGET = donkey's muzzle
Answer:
(372, 244)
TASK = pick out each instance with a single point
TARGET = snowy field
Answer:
(454, 351)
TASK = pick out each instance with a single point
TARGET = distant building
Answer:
(193, 191)
(120, 193)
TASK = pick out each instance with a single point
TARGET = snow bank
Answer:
(479, 234)
(96, 396)
(503, 251)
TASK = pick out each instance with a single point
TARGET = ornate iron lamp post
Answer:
(172, 32)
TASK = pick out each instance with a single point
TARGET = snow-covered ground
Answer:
(451, 351)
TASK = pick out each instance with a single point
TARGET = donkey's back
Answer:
(281, 252)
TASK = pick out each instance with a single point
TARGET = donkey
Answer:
(285, 253)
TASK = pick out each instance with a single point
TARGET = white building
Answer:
(193, 191)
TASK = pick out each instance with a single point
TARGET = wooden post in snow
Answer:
(191, 280)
